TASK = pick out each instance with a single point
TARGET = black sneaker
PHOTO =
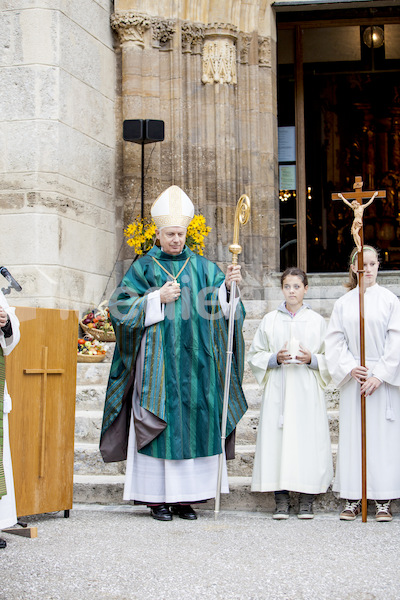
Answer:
(281, 511)
(305, 510)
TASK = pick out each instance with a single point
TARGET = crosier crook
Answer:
(242, 215)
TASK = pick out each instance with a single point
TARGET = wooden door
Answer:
(41, 378)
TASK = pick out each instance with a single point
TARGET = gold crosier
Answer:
(242, 215)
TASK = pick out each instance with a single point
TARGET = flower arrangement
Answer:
(141, 235)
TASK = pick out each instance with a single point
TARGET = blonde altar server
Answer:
(379, 380)
(293, 450)
(9, 338)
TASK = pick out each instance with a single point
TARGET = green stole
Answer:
(3, 489)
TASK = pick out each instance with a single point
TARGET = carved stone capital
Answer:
(130, 26)
(163, 31)
(219, 53)
(244, 46)
(222, 29)
(264, 52)
(192, 36)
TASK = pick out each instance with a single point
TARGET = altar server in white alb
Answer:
(9, 338)
(379, 380)
(293, 450)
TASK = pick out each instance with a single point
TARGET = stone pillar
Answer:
(214, 86)
(57, 81)
(145, 50)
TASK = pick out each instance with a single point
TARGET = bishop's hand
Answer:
(170, 292)
(233, 274)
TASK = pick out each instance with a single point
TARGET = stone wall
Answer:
(57, 156)
(208, 70)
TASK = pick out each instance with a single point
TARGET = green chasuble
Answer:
(3, 489)
(184, 361)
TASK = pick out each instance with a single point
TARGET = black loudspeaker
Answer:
(143, 131)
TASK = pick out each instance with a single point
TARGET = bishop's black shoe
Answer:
(160, 512)
(184, 511)
(3, 543)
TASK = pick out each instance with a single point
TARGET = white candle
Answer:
(294, 347)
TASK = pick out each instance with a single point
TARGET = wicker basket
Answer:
(91, 358)
(98, 334)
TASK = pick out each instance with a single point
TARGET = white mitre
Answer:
(173, 208)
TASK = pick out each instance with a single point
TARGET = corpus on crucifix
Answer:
(355, 201)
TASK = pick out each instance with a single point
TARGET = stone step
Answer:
(88, 374)
(88, 426)
(99, 489)
(88, 461)
(246, 431)
(254, 392)
(92, 384)
(91, 397)
(242, 465)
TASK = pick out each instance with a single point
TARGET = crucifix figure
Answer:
(355, 201)
(358, 210)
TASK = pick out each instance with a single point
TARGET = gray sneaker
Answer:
(281, 511)
(305, 510)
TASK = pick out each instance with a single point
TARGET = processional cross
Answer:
(355, 201)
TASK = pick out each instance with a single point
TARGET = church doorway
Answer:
(349, 99)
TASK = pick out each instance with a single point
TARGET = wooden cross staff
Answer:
(355, 201)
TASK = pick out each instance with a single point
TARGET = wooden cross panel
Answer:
(41, 378)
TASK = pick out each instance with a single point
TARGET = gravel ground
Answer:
(120, 553)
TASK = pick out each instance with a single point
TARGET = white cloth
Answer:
(294, 454)
(8, 515)
(156, 480)
(8, 512)
(382, 350)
